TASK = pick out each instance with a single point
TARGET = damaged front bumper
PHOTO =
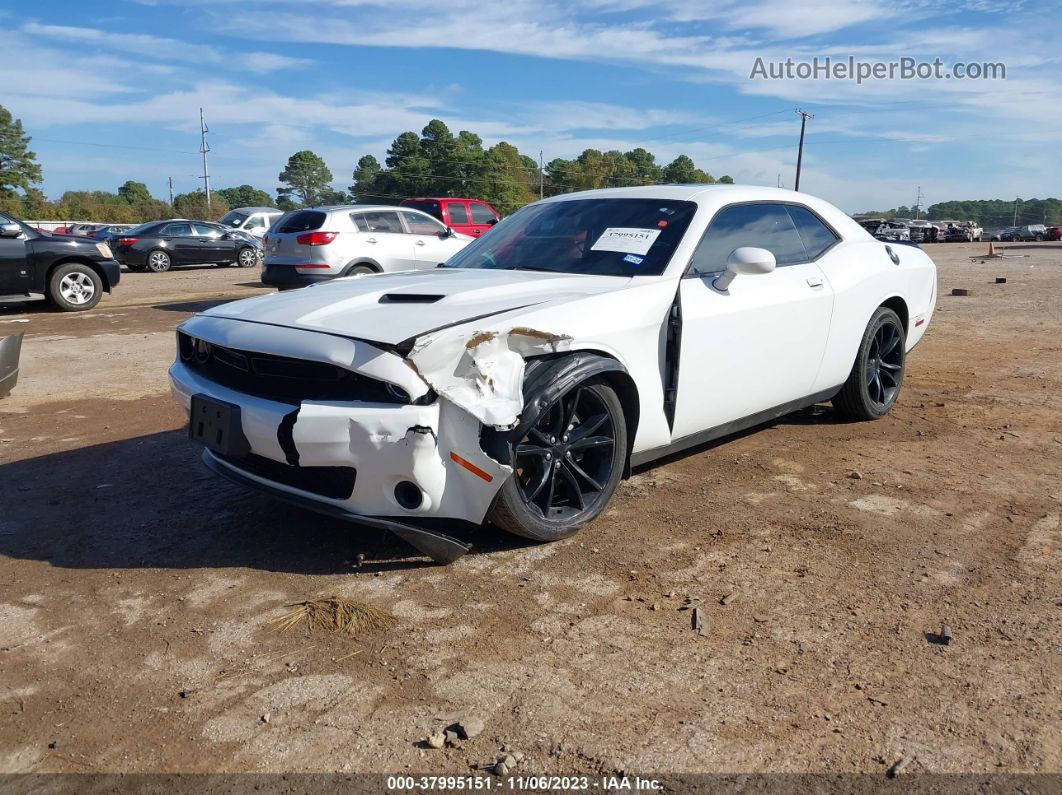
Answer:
(409, 461)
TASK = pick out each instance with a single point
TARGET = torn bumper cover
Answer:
(363, 460)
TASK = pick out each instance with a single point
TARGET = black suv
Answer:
(159, 245)
(71, 271)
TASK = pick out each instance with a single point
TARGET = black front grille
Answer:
(281, 378)
(336, 483)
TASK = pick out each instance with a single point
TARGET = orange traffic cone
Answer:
(991, 249)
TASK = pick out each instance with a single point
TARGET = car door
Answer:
(15, 273)
(759, 344)
(483, 217)
(215, 245)
(177, 238)
(387, 241)
(432, 243)
(457, 217)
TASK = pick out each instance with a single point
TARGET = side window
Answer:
(458, 213)
(422, 225)
(816, 236)
(177, 230)
(202, 230)
(761, 225)
(256, 222)
(481, 213)
(360, 222)
(386, 222)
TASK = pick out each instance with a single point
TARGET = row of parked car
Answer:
(1029, 232)
(74, 265)
(903, 230)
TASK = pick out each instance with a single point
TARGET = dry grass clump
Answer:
(342, 616)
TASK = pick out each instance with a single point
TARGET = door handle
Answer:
(420, 242)
(815, 281)
(371, 240)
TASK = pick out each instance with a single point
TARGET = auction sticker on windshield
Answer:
(626, 240)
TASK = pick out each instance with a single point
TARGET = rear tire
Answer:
(877, 375)
(74, 287)
(360, 269)
(566, 465)
(159, 261)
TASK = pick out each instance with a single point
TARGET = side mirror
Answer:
(10, 230)
(492, 221)
(747, 261)
(443, 235)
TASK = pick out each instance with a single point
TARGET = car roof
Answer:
(257, 210)
(361, 208)
(712, 197)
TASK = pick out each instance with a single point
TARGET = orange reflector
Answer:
(475, 470)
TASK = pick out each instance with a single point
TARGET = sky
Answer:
(111, 90)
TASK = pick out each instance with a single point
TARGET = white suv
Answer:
(252, 220)
(321, 243)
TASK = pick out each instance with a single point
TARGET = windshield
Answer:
(233, 219)
(608, 237)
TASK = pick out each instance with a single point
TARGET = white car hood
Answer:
(371, 307)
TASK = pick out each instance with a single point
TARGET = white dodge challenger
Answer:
(522, 379)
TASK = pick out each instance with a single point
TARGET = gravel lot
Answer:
(129, 576)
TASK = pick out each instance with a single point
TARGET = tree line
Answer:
(988, 213)
(434, 163)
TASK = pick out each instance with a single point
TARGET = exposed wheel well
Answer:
(899, 306)
(81, 260)
(627, 392)
(351, 266)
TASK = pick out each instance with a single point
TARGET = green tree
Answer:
(193, 205)
(726, 179)
(134, 193)
(306, 179)
(368, 177)
(683, 171)
(19, 168)
(245, 196)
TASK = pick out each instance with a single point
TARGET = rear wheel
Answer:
(874, 383)
(75, 287)
(354, 271)
(159, 261)
(566, 464)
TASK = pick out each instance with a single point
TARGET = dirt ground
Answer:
(136, 590)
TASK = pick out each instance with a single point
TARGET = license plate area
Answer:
(218, 426)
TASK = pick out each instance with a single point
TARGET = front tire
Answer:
(566, 464)
(247, 258)
(877, 375)
(75, 287)
(159, 261)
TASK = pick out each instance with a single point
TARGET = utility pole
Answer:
(804, 116)
(541, 177)
(918, 202)
(204, 147)
(1015, 221)
(779, 180)
(171, 191)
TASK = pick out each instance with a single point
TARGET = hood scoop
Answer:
(409, 298)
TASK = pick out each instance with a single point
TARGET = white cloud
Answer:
(163, 49)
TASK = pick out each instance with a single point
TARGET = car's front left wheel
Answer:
(247, 258)
(75, 287)
(566, 464)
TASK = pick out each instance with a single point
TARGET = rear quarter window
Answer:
(302, 221)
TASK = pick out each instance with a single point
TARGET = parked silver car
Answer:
(322, 243)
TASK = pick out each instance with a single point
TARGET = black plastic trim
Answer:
(728, 428)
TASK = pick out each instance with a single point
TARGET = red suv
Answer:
(1053, 233)
(467, 216)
